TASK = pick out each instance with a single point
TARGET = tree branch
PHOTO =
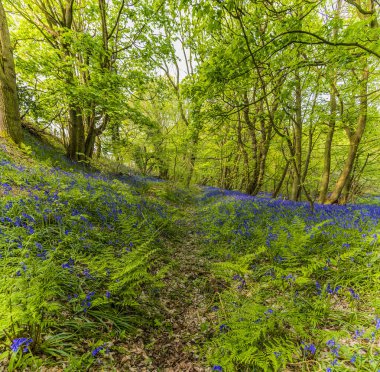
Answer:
(117, 19)
(359, 8)
(322, 41)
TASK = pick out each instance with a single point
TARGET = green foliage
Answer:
(291, 286)
(81, 254)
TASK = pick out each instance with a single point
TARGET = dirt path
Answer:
(185, 301)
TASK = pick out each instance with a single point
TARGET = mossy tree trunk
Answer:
(10, 123)
(354, 138)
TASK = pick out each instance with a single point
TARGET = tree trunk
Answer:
(10, 123)
(90, 145)
(245, 177)
(328, 144)
(266, 134)
(355, 139)
(191, 158)
(252, 132)
(75, 150)
(193, 144)
(331, 124)
(98, 147)
(281, 181)
(297, 162)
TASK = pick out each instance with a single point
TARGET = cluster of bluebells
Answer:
(86, 303)
(334, 350)
(297, 253)
(353, 294)
(308, 349)
(241, 281)
(62, 222)
(251, 209)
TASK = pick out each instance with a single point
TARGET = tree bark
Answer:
(192, 155)
(10, 123)
(297, 162)
(355, 139)
(75, 151)
(281, 181)
(331, 123)
(245, 177)
(328, 145)
(266, 136)
(251, 125)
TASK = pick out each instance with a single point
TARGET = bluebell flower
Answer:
(30, 230)
(86, 273)
(353, 294)
(217, 368)
(312, 349)
(332, 290)
(69, 264)
(335, 351)
(309, 348)
(28, 217)
(18, 342)
(279, 259)
(97, 350)
(358, 333)
(319, 288)
(223, 328)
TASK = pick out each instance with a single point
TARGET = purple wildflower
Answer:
(353, 294)
(18, 342)
(217, 368)
(97, 350)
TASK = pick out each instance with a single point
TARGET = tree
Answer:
(10, 124)
(85, 46)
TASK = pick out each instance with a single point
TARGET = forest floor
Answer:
(114, 272)
(185, 304)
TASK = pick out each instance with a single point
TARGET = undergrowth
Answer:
(81, 258)
(301, 287)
